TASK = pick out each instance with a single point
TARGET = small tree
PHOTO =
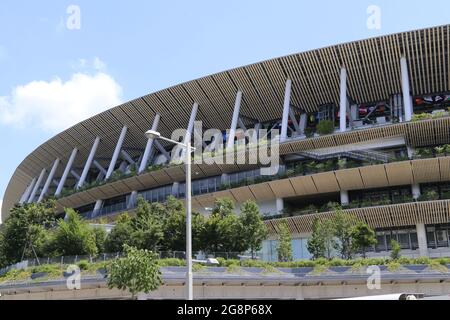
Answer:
(322, 242)
(316, 243)
(254, 230)
(395, 251)
(119, 235)
(74, 236)
(25, 232)
(138, 272)
(285, 244)
(343, 226)
(100, 239)
(363, 237)
(148, 225)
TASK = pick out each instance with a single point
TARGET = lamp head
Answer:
(151, 134)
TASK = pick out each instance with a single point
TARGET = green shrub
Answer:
(325, 127)
(233, 268)
(197, 267)
(393, 266)
(395, 253)
(435, 265)
(422, 260)
(421, 116)
(83, 265)
(171, 262)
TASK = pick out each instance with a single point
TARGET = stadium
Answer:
(365, 125)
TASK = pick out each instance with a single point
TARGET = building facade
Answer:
(364, 125)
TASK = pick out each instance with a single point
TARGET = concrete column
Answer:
(36, 186)
(234, 120)
(407, 101)
(279, 203)
(99, 167)
(27, 192)
(127, 157)
(303, 123)
(88, 164)
(344, 198)
(148, 147)
(415, 189)
(294, 120)
(224, 178)
(175, 188)
(97, 207)
(66, 172)
(286, 107)
(116, 153)
(422, 239)
(132, 200)
(49, 180)
(410, 151)
(343, 101)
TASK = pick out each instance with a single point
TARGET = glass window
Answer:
(442, 238)
(414, 240)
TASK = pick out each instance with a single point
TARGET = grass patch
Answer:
(15, 275)
(319, 269)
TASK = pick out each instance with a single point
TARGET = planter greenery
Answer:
(325, 127)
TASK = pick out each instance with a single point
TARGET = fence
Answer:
(66, 260)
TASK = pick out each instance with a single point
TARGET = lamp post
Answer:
(189, 283)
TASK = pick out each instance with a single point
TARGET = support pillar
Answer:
(175, 189)
(410, 151)
(88, 164)
(36, 186)
(422, 239)
(407, 101)
(116, 153)
(344, 198)
(49, 180)
(97, 207)
(303, 123)
(343, 101)
(132, 200)
(415, 189)
(279, 205)
(148, 147)
(189, 131)
(286, 107)
(27, 193)
(234, 120)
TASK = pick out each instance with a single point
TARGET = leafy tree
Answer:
(25, 233)
(175, 227)
(74, 236)
(316, 243)
(119, 235)
(222, 231)
(363, 237)
(223, 207)
(100, 239)
(285, 244)
(138, 272)
(254, 230)
(343, 226)
(395, 253)
(230, 234)
(148, 225)
(322, 242)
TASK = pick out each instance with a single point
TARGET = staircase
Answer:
(363, 155)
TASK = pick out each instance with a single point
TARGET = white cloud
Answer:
(56, 105)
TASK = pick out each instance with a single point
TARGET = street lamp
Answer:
(151, 134)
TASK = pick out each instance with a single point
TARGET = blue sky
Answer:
(52, 76)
